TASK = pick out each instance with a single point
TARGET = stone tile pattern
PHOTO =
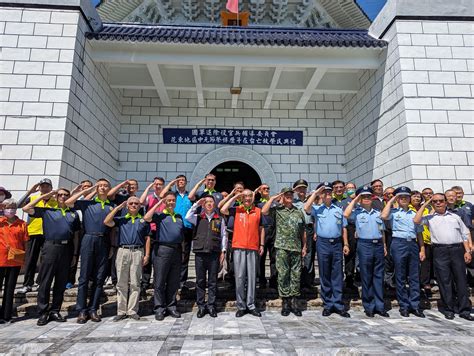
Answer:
(57, 110)
(272, 334)
(412, 122)
(142, 152)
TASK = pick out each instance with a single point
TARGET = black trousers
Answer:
(55, 260)
(167, 265)
(389, 265)
(9, 275)
(350, 259)
(146, 275)
(112, 267)
(308, 272)
(207, 267)
(268, 249)
(426, 269)
(450, 271)
(186, 253)
(33, 249)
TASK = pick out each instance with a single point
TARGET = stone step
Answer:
(267, 299)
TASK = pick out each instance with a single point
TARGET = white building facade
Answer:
(81, 98)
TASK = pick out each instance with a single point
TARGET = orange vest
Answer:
(246, 228)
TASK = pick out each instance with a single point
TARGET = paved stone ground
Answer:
(272, 334)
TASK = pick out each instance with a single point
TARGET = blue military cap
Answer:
(364, 190)
(402, 191)
(326, 185)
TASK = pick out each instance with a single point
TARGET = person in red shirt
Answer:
(247, 244)
(13, 235)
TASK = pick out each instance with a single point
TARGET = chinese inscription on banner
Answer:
(233, 137)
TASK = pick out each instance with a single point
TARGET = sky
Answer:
(371, 7)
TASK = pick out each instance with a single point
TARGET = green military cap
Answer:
(286, 190)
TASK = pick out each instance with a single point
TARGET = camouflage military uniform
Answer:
(289, 231)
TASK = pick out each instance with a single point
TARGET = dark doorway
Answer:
(228, 173)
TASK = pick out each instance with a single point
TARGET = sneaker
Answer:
(69, 285)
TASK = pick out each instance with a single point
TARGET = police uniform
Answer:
(405, 254)
(370, 251)
(132, 233)
(308, 272)
(167, 260)
(94, 251)
(268, 248)
(329, 224)
(59, 226)
(209, 240)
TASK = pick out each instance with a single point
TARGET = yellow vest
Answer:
(35, 225)
(426, 232)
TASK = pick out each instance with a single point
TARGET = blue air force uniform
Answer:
(405, 253)
(94, 251)
(329, 223)
(59, 226)
(167, 259)
(370, 250)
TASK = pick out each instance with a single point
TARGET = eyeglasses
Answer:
(437, 201)
(265, 188)
(63, 195)
(133, 203)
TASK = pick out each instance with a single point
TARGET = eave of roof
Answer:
(247, 36)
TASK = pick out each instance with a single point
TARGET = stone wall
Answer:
(144, 155)
(55, 103)
(413, 120)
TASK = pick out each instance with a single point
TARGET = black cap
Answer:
(286, 190)
(402, 191)
(300, 183)
(46, 181)
(326, 185)
(365, 190)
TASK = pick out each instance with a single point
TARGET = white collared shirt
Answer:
(446, 228)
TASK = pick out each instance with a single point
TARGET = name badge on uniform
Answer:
(142, 221)
(110, 208)
(339, 221)
(73, 215)
(363, 219)
(398, 217)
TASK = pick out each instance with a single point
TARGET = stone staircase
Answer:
(267, 299)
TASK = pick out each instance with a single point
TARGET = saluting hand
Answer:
(201, 201)
(122, 205)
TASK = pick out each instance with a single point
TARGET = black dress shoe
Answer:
(213, 312)
(159, 316)
(327, 312)
(418, 312)
(466, 316)
(43, 319)
(255, 312)
(82, 318)
(343, 313)
(174, 314)
(449, 315)
(119, 317)
(135, 317)
(240, 313)
(384, 314)
(201, 312)
(369, 314)
(55, 316)
(404, 313)
(95, 317)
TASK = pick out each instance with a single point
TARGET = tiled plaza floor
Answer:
(272, 334)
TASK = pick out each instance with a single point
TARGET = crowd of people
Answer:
(395, 238)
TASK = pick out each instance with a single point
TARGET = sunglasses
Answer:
(133, 203)
(437, 201)
(63, 195)
(210, 180)
(265, 188)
